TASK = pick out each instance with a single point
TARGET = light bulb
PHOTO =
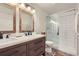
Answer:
(22, 5)
(33, 11)
(29, 8)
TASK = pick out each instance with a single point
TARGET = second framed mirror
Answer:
(26, 21)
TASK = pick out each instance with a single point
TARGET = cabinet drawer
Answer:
(38, 41)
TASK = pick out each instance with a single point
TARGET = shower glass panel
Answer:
(52, 30)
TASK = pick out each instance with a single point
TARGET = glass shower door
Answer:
(52, 31)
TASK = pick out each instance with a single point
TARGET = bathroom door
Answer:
(52, 30)
(67, 32)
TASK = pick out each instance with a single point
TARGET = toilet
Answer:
(49, 46)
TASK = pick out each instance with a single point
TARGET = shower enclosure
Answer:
(52, 30)
(62, 29)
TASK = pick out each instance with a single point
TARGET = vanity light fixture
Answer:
(27, 7)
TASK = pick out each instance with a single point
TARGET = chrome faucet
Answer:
(7, 36)
(1, 35)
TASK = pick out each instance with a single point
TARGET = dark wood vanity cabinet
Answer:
(16, 50)
(34, 47)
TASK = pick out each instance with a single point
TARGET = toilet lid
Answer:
(49, 43)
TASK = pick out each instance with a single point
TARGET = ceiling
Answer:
(54, 7)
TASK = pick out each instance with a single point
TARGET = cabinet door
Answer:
(17, 50)
(20, 51)
(36, 47)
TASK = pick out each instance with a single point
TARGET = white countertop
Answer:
(13, 41)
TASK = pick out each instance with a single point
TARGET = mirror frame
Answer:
(14, 19)
(20, 22)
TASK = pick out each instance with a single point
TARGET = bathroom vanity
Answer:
(32, 45)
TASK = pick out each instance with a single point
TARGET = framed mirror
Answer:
(26, 21)
(7, 18)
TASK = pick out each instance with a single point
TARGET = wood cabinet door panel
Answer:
(36, 47)
(36, 43)
(14, 50)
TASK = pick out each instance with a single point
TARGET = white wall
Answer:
(39, 20)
